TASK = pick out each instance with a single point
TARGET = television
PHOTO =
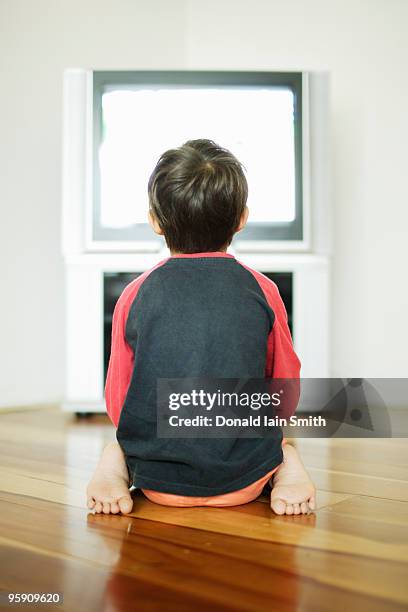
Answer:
(139, 115)
(118, 123)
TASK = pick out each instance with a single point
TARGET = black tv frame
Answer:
(102, 80)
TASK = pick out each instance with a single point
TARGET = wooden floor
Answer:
(351, 555)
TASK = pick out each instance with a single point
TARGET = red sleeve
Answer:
(281, 358)
(121, 361)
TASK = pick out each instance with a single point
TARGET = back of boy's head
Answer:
(197, 194)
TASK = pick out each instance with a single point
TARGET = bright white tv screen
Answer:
(138, 122)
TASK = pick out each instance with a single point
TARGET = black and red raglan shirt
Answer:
(202, 315)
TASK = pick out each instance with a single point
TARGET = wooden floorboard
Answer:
(351, 554)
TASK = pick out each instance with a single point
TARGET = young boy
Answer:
(199, 313)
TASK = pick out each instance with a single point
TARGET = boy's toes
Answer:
(296, 509)
(289, 509)
(312, 503)
(125, 504)
(91, 503)
(304, 508)
(278, 506)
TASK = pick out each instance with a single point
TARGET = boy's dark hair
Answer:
(197, 194)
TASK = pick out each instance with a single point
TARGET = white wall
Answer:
(364, 46)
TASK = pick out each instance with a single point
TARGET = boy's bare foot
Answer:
(292, 490)
(108, 491)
